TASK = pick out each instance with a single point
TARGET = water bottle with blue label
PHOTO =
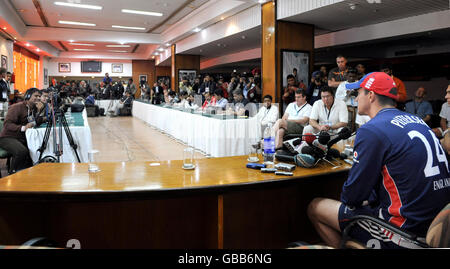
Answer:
(269, 145)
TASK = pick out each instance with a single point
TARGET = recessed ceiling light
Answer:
(118, 46)
(167, 44)
(78, 5)
(197, 30)
(77, 23)
(161, 49)
(38, 50)
(127, 27)
(28, 44)
(83, 49)
(81, 44)
(148, 13)
(4, 28)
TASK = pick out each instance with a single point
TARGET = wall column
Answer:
(183, 62)
(278, 36)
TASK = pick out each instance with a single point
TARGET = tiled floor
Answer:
(130, 139)
(127, 139)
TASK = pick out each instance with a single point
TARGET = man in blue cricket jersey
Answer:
(400, 172)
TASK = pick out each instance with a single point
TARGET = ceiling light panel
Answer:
(77, 23)
(148, 13)
(81, 44)
(78, 5)
(127, 27)
(118, 46)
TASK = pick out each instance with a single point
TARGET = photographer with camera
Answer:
(315, 87)
(20, 117)
(42, 105)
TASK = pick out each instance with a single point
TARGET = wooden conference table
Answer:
(220, 204)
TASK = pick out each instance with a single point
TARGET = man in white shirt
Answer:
(445, 116)
(267, 113)
(220, 101)
(295, 118)
(327, 114)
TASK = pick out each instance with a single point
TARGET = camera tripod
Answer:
(58, 119)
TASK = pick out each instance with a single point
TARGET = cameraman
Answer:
(315, 87)
(20, 117)
(42, 105)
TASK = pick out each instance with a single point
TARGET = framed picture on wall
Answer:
(45, 76)
(298, 60)
(165, 80)
(117, 68)
(64, 67)
(4, 62)
(187, 74)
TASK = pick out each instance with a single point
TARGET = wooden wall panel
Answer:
(268, 48)
(143, 67)
(185, 62)
(293, 36)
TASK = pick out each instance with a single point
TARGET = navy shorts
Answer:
(360, 234)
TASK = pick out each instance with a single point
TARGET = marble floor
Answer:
(128, 139)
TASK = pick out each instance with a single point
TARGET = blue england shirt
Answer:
(401, 167)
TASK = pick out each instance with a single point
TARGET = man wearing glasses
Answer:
(327, 114)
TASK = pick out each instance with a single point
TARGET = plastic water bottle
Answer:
(269, 145)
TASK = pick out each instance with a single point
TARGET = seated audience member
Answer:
(190, 104)
(182, 99)
(387, 68)
(90, 100)
(210, 100)
(390, 178)
(419, 106)
(327, 114)
(295, 118)
(42, 108)
(20, 117)
(221, 84)
(268, 113)
(239, 104)
(445, 116)
(221, 102)
(289, 91)
(124, 102)
(315, 87)
(84, 89)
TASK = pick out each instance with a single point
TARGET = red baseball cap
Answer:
(378, 82)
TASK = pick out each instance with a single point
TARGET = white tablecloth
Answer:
(215, 137)
(81, 136)
(106, 103)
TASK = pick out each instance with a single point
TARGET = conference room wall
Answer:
(75, 68)
(143, 67)
(6, 49)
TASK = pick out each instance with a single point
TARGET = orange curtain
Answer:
(26, 69)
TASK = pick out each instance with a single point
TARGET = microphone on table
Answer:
(345, 133)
